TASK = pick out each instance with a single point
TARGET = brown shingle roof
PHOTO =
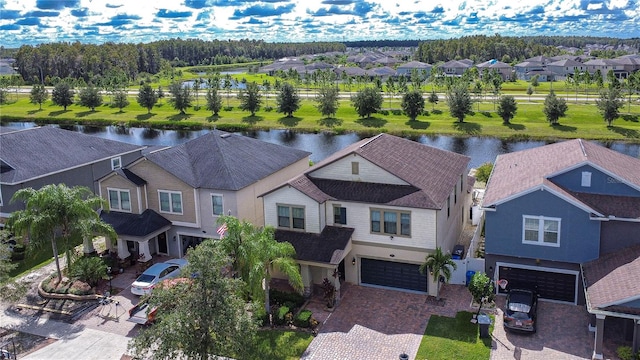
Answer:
(327, 247)
(612, 279)
(432, 172)
(519, 171)
(608, 205)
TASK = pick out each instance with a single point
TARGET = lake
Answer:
(320, 145)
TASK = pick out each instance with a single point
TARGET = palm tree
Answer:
(256, 254)
(438, 264)
(57, 212)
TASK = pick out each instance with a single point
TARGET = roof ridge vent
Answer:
(370, 140)
(226, 135)
(584, 152)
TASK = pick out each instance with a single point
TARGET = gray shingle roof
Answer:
(39, 151)
(225, 161)
(519, 171)
(139, 225)
(327, 247)
(431, 173)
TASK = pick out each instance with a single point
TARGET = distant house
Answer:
(563, 69)
(46, 155)
(605, 65)
(171, 199)
(372, 212)
(565, 218)
(505, 70)
(528, 69)
(454, 67)
(383, 71)
(408, 68)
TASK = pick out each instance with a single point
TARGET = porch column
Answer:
(597, 348)
(305, 271)
(87, 246)
(143, 250)
(636, 336)
(335, 281)
(123, 252)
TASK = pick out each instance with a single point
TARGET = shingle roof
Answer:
(519, 171)
(432, 172)
(612, 280)
(139, 225)
(627, 207)
(129, 175)
(225, 161)
(327, 247)
(39, 151)
(415, 65)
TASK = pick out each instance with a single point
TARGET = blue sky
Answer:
(97, 21)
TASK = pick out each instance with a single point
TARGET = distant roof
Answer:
(415, 65)
(36, 152)
(138, 225)
(225, 161)
(565, 62)
(430, 172)
(519, 171)
(328, 247)
(455, 64)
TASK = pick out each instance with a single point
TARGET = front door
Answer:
(163, 247)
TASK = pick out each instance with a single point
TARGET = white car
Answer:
(155, 274)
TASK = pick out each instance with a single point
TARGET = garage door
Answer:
(392, 274)
(551, 285)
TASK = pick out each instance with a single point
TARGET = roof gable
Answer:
(225, 161)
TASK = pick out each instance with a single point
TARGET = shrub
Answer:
(303, 319)
(88, 269)
(484, 171)
(228, 108)
(383, 112)
(80, 288)
(282, 297)
(437, 111)
(313, 323)
(261, 316)
(268, 108)
(396, 112)
(626, 353)
(280, 315)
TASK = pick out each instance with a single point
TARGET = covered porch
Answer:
(139, 235)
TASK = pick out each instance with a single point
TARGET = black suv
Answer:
(521, 309)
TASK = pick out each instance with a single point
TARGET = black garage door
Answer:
(551, 285)
(392, 274)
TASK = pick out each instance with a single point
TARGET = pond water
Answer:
(321, 145)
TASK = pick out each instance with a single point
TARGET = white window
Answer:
(586, 179)
(291, 217)
(170, 202)
(119, 200)
(116, 163)
(540, 230)
(216, 203)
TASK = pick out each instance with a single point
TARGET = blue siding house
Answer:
(556, 216)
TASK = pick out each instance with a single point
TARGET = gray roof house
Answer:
(190, 186)
(455, 67)
(565, 68)
(502, 68)
(407, 68)
(381, 205)
(565, 218)
(47, 155)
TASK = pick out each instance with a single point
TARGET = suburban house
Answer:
(565, 218)
(370, 213)
(407, 69)
(505, 70)
(170, 199)
(528, 69)
(455, 67)
(34, 157)
(562, 69)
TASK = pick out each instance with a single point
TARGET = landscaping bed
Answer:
(20, 344)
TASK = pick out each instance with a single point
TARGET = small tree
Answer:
(482, 288)
(147, 98)
(439, 265)
(554, 108)
(483, 172)
(530, 91)
(609, 104)
(327, 101)
(367, 101)
(214, 100)
(433, 99)
(459, 101)
(288, 100)
(90, 97)
(507, 108)
(120, 99)
(413, 104)
(39, 95)
(62, 95)
(88, 269)
(250, 98)
(180, 97)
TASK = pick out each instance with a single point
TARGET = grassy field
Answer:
(583, 120)
(453, 338)
(282, 345)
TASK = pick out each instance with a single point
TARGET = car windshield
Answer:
(520, 302)
(519, 307)
(145, 278)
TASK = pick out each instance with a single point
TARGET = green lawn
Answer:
(282, 344)
(453, 338)
(40, 256)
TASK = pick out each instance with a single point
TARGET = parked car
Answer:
(156, 273)
(521, 310)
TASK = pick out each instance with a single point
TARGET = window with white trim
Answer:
(586, 179)
(291, 217)
(390, 222)
(116, 163)
(540, 230)
(119, 200)
(216, 203)
(170, 202)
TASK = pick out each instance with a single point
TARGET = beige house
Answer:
(372, 212)
(171, 198)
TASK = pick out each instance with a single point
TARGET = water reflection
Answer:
(149, 133)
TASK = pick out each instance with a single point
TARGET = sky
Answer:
(133, 21)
